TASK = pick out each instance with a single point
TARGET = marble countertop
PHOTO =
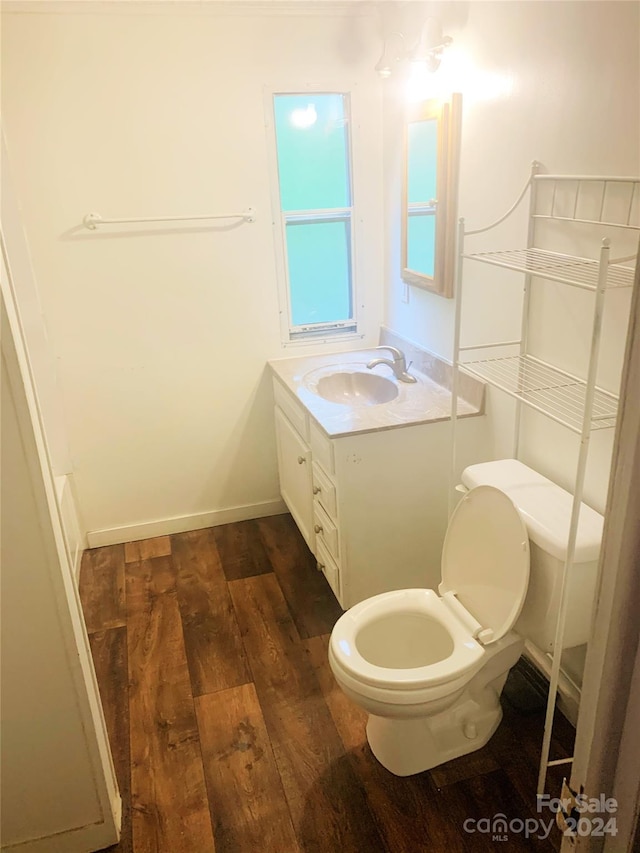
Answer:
(421, 402)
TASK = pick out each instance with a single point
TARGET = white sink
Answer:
(355, 387)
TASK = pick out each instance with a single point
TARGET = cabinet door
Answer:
(294, 465)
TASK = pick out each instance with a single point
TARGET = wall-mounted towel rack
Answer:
(93, 220)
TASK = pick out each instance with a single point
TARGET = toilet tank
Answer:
(546, 510)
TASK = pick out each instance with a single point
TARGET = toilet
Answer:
(429, 667)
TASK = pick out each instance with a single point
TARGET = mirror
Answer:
(430, 188)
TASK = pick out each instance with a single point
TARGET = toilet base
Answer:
(411, 746)
(409, 738)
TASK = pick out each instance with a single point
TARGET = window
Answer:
(316, 212)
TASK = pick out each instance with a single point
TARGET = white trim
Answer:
(335, 339)
(330, 214)
(279, 217)
(71, 623)
(568, 692)
(183, 523)
(39, 351)
(74, 538)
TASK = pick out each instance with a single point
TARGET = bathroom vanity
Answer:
(365, 481)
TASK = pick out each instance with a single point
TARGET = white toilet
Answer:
(429, 669)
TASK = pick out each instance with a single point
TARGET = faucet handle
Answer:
(397, 354)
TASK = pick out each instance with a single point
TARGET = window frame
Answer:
(325, 332)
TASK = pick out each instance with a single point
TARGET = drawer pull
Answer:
(316, 490)
(301, 460)
(320, 566)
(317, 528)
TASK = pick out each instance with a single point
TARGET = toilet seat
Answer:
(485, 570)
(464, 658)
(485, 562)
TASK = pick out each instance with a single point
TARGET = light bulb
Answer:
(420, 82)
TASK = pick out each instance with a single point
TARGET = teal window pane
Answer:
(318, 255)
(313, 159)
(421, 243)
(422, 160)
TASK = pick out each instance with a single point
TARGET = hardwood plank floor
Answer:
(241, 549)
(147, 549)
(229, 732)
(168, 794)
(214, 648)
(477, 798)
(248, 807)
(109, 651)
(304, 588)
(102, 588)
(327, 803)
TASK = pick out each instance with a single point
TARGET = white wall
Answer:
(162, 338)
(557, 82)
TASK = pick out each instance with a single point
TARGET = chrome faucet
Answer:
(398, 364)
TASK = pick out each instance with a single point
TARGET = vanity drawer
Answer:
(326, 531)
(292, 409)
(328, 568)
(322, 448)
(324, 491)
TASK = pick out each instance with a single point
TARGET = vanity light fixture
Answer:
(425, 53)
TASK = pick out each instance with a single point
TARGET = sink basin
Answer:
(355, 387)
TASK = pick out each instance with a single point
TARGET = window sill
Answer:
(323, 339)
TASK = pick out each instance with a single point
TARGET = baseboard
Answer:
(182, 523)
(568, 692)
(95, 836)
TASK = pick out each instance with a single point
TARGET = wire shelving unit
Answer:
(611, 205)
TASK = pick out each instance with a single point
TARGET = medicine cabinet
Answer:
(429, 194)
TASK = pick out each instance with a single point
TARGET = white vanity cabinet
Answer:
(294, 467)
(371, 506)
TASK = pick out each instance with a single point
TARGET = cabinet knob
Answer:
(320, 567)
(317, 528)
(301, 460)
(316, 490)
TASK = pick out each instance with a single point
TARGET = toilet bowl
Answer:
(429, 668)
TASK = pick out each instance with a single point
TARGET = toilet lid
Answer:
(485, 559)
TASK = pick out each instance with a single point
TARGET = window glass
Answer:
(312, 141)
(319, 262)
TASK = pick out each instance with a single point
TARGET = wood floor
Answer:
(228, 731)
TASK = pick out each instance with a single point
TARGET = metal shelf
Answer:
(556, 394)
(608, 202)
(566, 269)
